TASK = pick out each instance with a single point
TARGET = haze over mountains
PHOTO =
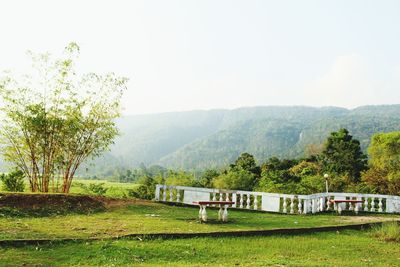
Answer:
(211, 139)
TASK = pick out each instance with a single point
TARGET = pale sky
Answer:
(185, 55)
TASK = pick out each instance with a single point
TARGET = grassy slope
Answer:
(348, 248)
(149, 217)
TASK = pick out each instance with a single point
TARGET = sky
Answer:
(186, 55)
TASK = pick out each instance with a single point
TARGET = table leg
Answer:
(225, 214)
(200, 211)
(204, 214)
(220, 213)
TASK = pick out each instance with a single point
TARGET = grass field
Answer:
(347, 248)
(114, 189)
(129, 216)
(150, 217)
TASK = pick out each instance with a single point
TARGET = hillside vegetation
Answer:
(209, 139)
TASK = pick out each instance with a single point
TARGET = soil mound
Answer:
(50, 203)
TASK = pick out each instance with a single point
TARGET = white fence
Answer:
(283, 203)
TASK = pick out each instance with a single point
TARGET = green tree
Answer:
(55, 119)
(384, 162)
(342, 155)
(180, 178)
(207, 178)
(13, 181)
(238, 180)
(246, 162)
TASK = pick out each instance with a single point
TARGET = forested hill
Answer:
(205, 139)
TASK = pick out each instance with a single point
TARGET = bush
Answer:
(240, 180)
(13, 181)
(388, 232)
(97, 189)
(93, 188)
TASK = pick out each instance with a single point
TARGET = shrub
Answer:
(97, 189)
(388, 232)
(146, 189)
(240, 180)
(13, 181)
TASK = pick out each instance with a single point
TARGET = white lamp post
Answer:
(326, 181)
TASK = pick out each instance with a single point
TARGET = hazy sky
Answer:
(184, 55)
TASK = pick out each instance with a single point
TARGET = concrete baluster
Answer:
(372, 204)
(248, 201)
(165, 193)
(366, 204)
(299, 206)
(328, 203)
(241, 201)
(380, 205)
(321, 204)
(292, 205)
(255, 202)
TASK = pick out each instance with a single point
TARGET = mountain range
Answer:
(202, 139)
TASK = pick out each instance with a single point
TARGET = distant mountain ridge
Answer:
(210, 139)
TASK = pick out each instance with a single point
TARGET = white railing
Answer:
(283, 203)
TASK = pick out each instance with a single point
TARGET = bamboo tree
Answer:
(56, 119)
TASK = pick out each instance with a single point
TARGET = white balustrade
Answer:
(284, 203)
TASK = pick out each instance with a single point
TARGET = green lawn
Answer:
(347, 248)
(114, 189)
(150, 217)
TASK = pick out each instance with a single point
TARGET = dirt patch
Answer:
(50, 203)
(110, 203)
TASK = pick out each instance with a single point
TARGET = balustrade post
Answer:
(292, 205)
(157, 193)
(366, 204)
(299, 206)
(171, 194)
(178, 196)
(372, 204)
(165, 193)
(241, 201)
(380, 205)
(305, 206)
(328, 203)
(321, 204)
(248, 201)
(255, 202)
(234, 199)
(313, 205)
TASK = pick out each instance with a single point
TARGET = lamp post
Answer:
(326, 181)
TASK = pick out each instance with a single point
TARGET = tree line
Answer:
(348, 169)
